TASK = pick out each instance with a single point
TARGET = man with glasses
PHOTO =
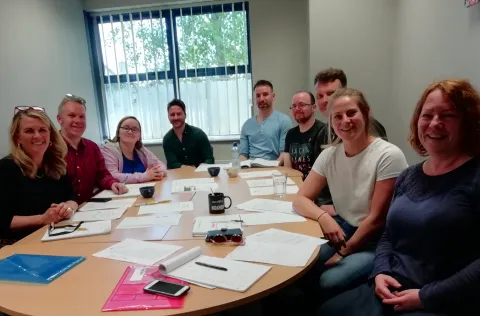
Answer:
(85, 164)
(300, 140)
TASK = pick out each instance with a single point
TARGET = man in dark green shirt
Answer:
(185, 145)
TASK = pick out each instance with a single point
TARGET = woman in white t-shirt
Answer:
(360, 170)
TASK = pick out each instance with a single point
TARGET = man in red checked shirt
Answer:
(85, 164)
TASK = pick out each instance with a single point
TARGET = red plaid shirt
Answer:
(86, 169)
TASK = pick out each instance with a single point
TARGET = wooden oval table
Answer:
(84, 289)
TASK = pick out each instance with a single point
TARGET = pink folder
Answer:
(129, 294)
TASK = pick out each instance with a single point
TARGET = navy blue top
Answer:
(431, 235)
(132, 166)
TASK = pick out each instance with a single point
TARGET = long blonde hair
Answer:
(54, 162)
(362, 104)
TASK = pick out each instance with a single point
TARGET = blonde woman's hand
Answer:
(332, 231)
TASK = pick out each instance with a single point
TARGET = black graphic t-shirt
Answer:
(301, 147)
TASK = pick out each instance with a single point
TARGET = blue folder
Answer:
(36, 268)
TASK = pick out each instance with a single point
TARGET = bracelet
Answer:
(339, 253)
(321, 215)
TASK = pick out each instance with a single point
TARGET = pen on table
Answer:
(210, 266)
(151, 203)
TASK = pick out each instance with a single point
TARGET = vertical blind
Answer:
(198, 54)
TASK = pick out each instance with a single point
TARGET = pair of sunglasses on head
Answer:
(67, 97)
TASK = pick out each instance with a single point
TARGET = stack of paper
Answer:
(290, 189)
(203, 224)
(197, 184)
(256, 174)
(269, 218)
(190, 266)
(165, 208)
(270, 246)
(99, 215)
(94, 206)
(149, 221)
(267, 205)
(268, 182)
(138, 251)
(86, 229)
(133, 190)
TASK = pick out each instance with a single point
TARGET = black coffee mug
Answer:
(216, 203)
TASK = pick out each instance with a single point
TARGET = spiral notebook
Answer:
(40, 269)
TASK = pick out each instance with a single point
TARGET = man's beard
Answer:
(304, 119)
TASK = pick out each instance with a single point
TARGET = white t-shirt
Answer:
(352, 179)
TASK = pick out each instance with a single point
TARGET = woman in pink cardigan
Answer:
(127, 159)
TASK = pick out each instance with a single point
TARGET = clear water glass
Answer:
(279, 184)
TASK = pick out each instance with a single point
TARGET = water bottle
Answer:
(235, 157)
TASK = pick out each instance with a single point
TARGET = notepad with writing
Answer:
(238, 276)
(86, 229)
(40, 269)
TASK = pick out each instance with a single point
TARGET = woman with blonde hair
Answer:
(127, 159)
(34, 190)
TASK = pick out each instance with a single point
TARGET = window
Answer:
(198, 54)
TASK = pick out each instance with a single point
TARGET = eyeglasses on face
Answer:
(130, 129)
(72, 97)
(62, 230)
(300, 106)
(23, 108)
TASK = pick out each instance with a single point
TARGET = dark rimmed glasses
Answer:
(222, 238)
(23, 108)
(66, 229)
(130, 129)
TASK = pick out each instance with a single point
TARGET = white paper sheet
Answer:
(204, 167)
(267, 205)
(274, 253)
(268, 182)
(98, 215)
(256, 174)
(87, 229)
(133, 190)
(290, 189)
(279, 236)
(239, 275)
(138, 251)
(165, 208)
(149, 221)
(191, 187)
(203, 224)
(269, 218)
(120, 203)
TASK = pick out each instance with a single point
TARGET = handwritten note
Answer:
(278, 236)
(290, 189)
(149, 221)
(120, 203)
(99, 215)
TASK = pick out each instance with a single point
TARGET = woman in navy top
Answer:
(428, 259)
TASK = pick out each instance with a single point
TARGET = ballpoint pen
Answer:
(211, 266)
(151, 203)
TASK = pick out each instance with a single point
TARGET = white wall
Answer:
(435, 39)
(392, 50)
(356, 36)
(43, 56)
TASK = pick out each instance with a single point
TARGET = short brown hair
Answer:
(330, 75)
(466, 100)
(116, 139)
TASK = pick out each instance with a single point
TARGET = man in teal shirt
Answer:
(263, 136)
(185, 145)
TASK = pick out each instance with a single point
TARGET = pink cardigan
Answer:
(114, 162)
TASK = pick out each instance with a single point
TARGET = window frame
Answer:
(175, 72)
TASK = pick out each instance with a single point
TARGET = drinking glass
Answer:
(279, 184)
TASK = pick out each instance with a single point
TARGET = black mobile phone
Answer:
(166, 288)
(100, 200)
